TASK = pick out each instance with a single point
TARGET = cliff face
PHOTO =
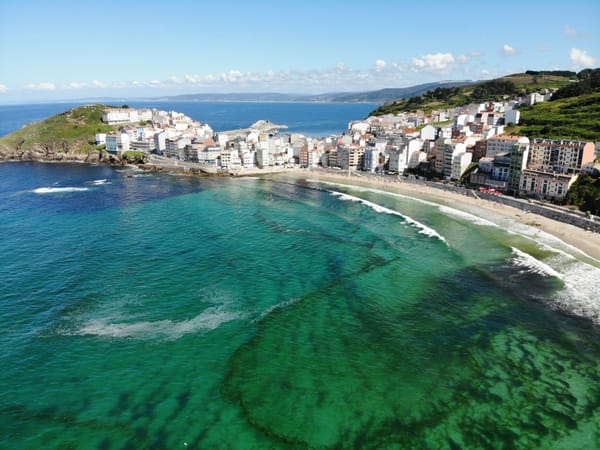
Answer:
(61, 152)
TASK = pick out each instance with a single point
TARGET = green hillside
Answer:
(492, 90)
(566, 118)
(72, 130)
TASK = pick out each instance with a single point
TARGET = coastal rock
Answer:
(59, 152)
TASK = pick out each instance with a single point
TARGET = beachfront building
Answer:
(560, 156)
(371, 162)
(545, 185)
(350, 158)
(519, 154)
(460, 163)
(450, 150)
(503, 144)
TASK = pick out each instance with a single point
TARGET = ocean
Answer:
(143, 310)
(310, 119)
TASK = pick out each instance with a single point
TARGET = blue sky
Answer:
(76, 49)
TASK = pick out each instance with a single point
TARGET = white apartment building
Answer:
(451, 149)
(503, 144)
(371, 159)
(460, 162)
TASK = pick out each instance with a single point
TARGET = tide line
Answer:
(423, 229)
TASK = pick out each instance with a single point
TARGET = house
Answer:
(545, 185)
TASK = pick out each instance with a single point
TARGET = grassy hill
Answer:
(74, 129)
(68, 136)
(497, 89)
(567, 118)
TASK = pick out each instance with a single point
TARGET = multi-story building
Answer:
(503, 144)
(175, 147)
(371, 159)
(560, 156)
(350, 158)
(545, 185)
(519, 155)
(460, 162)
(450, 150)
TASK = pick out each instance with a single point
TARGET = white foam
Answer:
(55, 190)
(99, 182)
(445, 209)
(423, 229)
(280, 305)
(580, 296)
(209, 319)
(532, 264)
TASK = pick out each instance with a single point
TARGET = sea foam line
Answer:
(546, 240)
(523, 259)
(443, 208)
(208, 320)
(55, 190)
(99, 182)
(423, 229)
(581, 282)
(579, 296)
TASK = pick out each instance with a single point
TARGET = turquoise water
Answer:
(146, 311)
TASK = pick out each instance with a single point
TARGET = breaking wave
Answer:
(100, 182)
(579, 294)
(423, 229)
(442, 208)
(532, 264)
(56, 190)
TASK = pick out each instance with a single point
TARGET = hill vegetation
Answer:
(493, 90)
(572, 113)
(66, 136)
(566, 118)
(585, 194)
(75, 127)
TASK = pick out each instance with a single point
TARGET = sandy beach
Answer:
(586, 241)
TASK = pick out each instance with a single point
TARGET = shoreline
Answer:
(585, 241)
(588, 242)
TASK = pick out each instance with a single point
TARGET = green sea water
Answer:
(147, 311)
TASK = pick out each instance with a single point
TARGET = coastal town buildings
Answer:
(444, 143)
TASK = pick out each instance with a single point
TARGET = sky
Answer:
(61, 50)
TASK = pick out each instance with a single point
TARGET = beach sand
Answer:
(586, 241)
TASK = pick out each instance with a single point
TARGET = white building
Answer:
(371, 159)
(100, 138)
(460, 163)
(512, 116)
(428, 133)
(117, 116)
(503, 144)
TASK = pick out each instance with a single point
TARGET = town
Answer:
(465, 145)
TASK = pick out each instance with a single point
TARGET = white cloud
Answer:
(3, 88)
(380, 64)
(508, 50)
(76, 85)
(436, 61)
(580, 58)
(43, 86)
(100, 84)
